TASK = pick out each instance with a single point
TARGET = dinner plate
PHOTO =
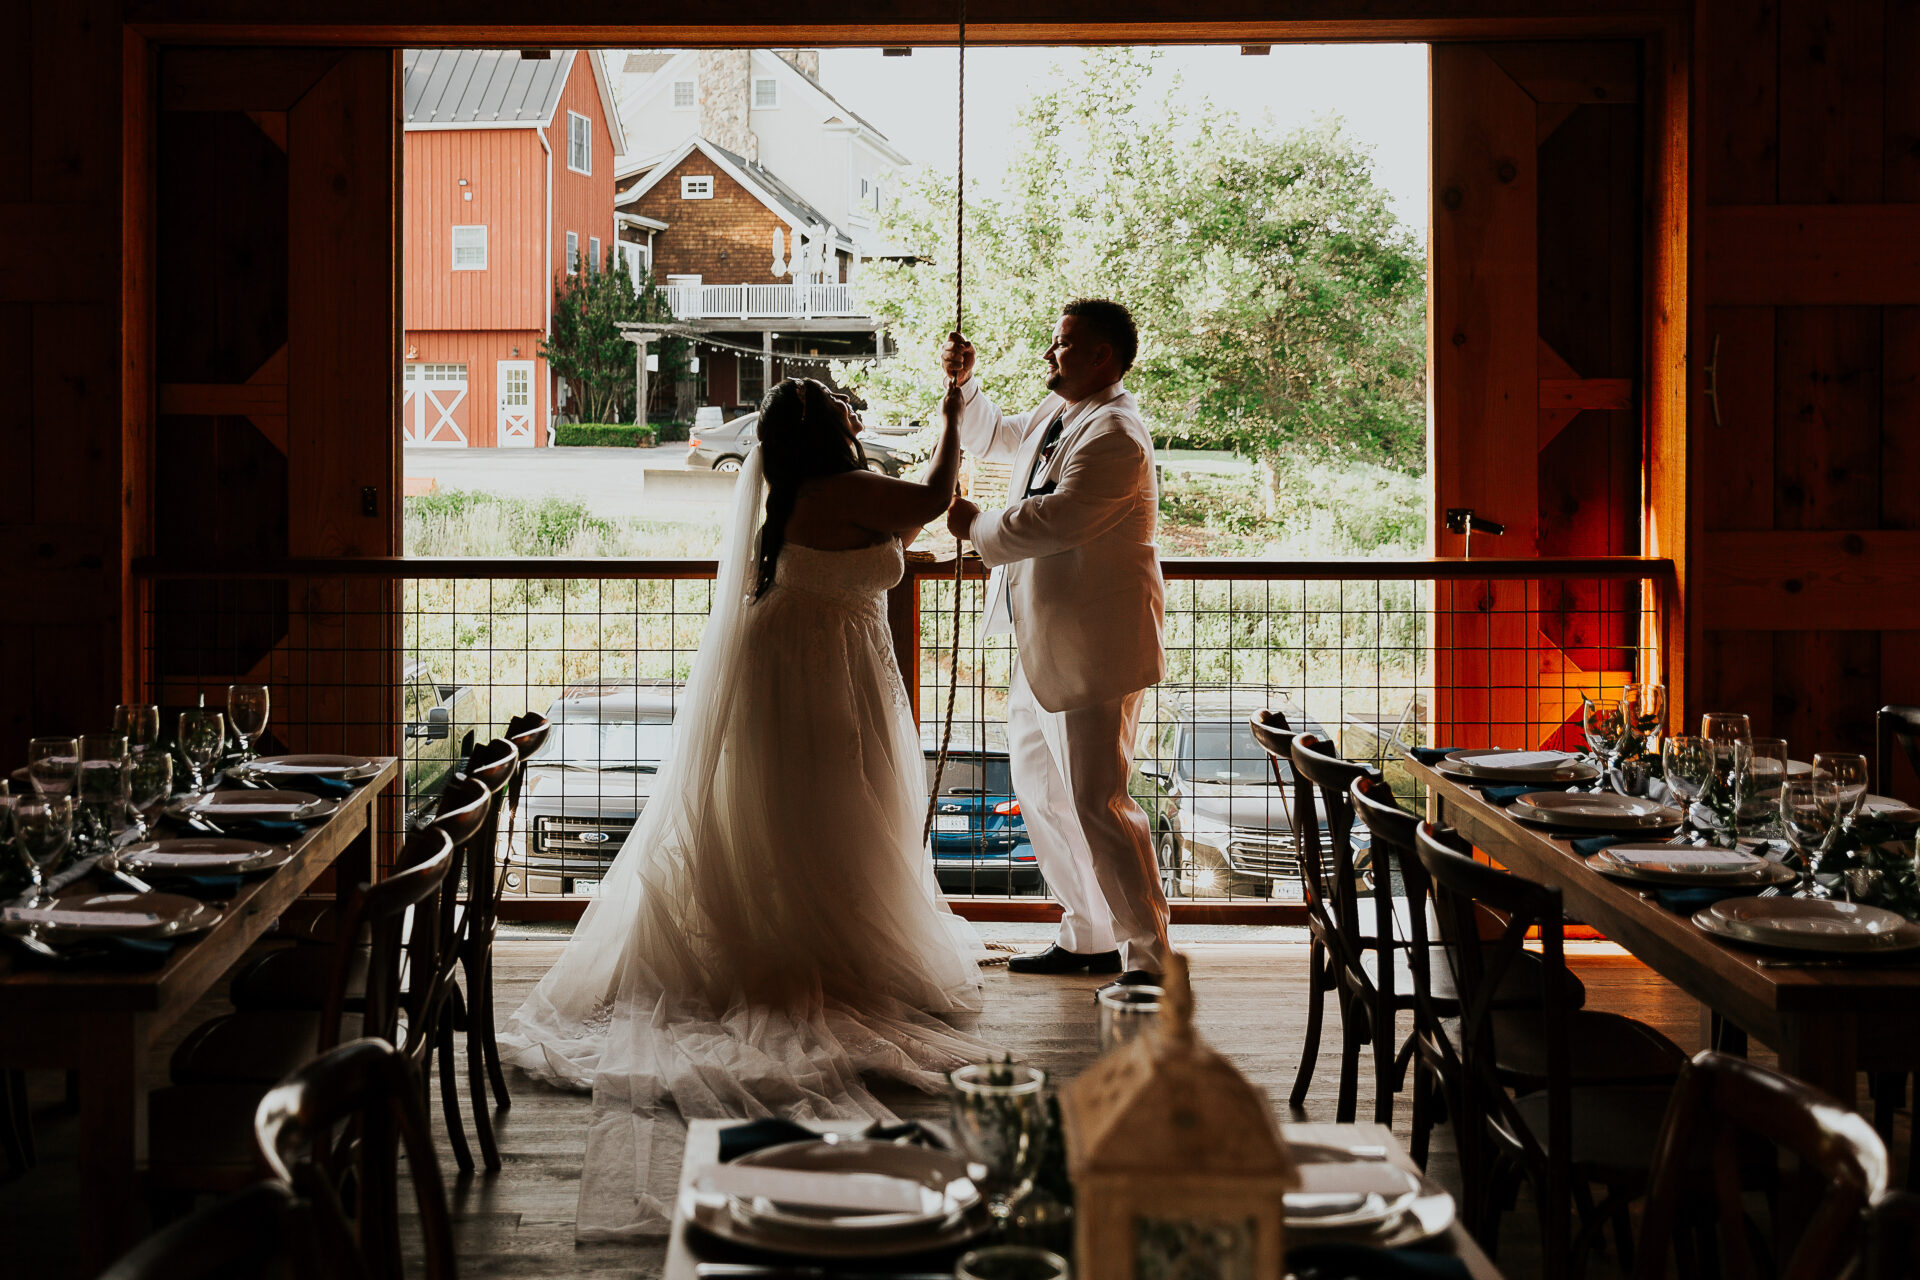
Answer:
(1486, 765)
(1682, 866)
(205, 854)
(1813, 924)
(938, 1182)
(319, 766)
(284, 806)
(127, 915)
(1604, 812)
(714, 1215)
(1888, 807)
(1344, 1192)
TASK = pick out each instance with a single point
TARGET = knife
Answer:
(756, 1271)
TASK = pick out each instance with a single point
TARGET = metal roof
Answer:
(482, 86)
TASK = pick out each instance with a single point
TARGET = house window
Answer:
(699, 187)
(573, 252)
(752, 382)
(866, 190)
(766, 94)
(593, 253)
(469, 248)
(683, 95)
(579, 143)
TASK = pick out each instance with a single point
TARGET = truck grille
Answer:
(1264, 853)
(576, 837)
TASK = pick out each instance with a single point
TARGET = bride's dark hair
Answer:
(802, 435)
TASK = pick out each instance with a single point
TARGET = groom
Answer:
(1076, 579)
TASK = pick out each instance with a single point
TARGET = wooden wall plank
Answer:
(1831, 101)
(1738, 448)
(1807, 255)
(1900, 418)
(75, 117)
(1735, 673)
(1847, 580)
(1826, 685)
(1579, 74)
(1826, 445)
(224, 79)
(17, 425)
(1738, 102)
(59, 252)
(1900, 174)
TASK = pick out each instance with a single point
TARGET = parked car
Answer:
(588, 784)
(725, 446)
(979, 839)
(1221, 825)
(439, 721)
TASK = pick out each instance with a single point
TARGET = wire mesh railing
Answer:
(419, 658)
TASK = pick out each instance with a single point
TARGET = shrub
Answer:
(619, 435)
(671, 429)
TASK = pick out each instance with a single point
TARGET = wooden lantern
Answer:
(1178, 1167)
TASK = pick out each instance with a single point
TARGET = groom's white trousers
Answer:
(1092, 841)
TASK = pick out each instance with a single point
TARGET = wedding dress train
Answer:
(771, 930)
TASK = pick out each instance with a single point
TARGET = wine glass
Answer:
(1760, 802)
(1847, 771)
(247, 713)
(1644, 708)
(1727, 786)
(1127, 1013)
(140, 723)
(1726, 726)
(1000, 1120)
(150, 782)
(52, 764)
(42, 825)
(102, 790)
(1688, 762)
(1012, 1262)
(1604, 726)
(1808, 809)
(203, 734)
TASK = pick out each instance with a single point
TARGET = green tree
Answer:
(1281, 305)
(586, 347)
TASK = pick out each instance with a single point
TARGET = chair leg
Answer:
(483, 1001)
(450, 1091)
(16, 1122)
(1422, 1111)
(1385, 1068)
(1316, 1008)
(477, 1072)
(1347, 1104)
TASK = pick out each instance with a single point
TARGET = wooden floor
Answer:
(519, 1223)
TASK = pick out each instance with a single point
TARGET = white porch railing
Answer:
(760, 301)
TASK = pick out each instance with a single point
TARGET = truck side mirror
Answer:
(439, 723)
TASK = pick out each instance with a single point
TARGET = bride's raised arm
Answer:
(886, 505)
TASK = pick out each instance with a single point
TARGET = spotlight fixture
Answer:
(1255, 50)
(896, 53)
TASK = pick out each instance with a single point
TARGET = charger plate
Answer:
(319, 766)
(205, 854)
(126, 915)
(943, 1180)
(1810, 924)
(1586, 812)
(273, 806)
(1346, 1211)
(1483, 765)
(1753, 870)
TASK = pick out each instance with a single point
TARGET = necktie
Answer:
(1048, 443)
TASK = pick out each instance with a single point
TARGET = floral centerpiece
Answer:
(1873, 854)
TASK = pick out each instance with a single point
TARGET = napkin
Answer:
(1506, 795)
(1587, 846)
(198, 885)
(1339, 1186)
(1430, 755)
(1684, 856)
(1524, 760)
(1688, 901)
(315, 783)
(272, 810)
(103, 952)
(756, 1135)
(96, 919)
(1363, 1262)
(817, 1189)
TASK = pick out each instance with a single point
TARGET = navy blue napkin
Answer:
(756, 1135)
(1506, 795)
(102, 952)
(1690, 900)
(272, 830)
(1587, 846)
(1363, 1262)
(318, 785)
(197, 886)
(1430, 755)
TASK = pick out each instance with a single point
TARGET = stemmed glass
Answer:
(103, 787)
(1847, 771)
(1126, 1013)
(1808, 809)
(1726, 726)
(52, 765)
(203, 734)
(247, 712)
(1000, 1120)
(1760, 801)
(140, 723)
(1600, 718)
(1688, 762)
(1644, 707)
(1012, 1262)
(150, 782)
(42, 826)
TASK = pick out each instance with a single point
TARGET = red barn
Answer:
(508, 184)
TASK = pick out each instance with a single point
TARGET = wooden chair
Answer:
(1724, 1108)
(198, 1128)
(528, 732)
(334, 1132)
(1588, 1089)
(260, 1231)
(1893, 1237)
(1894, 726)
(494, 767)
(1327, 952)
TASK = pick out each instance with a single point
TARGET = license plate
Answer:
(952, 822)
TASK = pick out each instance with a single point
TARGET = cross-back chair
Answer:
(259, 1231)
(1722, 1109)
(493, 766)
(1894, 726)
(528, 732)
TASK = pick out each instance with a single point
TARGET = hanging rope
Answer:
(959, 550)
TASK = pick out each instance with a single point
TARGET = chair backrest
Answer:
(1392, 829)
(495, 765)
(1274, 735)
(334, 1131)
(461, 818)
(379, 911)
(1329, 862)
(1719, 1106)
(1894, 726)
(261, 1230)
(528, 732)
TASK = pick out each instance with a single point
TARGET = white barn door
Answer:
(515, 423)
(432, 395)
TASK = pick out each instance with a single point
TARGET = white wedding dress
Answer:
(771, 930)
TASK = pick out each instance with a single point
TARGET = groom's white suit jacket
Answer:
(1076, 575)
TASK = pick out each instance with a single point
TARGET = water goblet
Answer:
(1604, 725)
(1012, 1262)
(1000, 1119)
(102, 790)
(1808, 810)
(1127, 1013)
(1688, 763)
(1760, 799)
(1644, 707)
(42, 825)
(247, 712)
(150, 782)
(53, 764)
(140, 723)
(1726, 726)
(1847, 771)
(203, 735)
(1727, 787)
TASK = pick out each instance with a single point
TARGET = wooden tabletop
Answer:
(703, 1150)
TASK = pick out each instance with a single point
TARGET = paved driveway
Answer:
(609, 481)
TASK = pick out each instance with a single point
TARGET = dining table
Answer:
(685, 1252)
(1827, 1018)
(102, 1023)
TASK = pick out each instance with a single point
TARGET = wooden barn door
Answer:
(1805, 353)
(275, 243)
(1535, 340)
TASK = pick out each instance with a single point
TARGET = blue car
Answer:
(980, 840)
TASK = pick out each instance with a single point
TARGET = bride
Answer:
(771, 930)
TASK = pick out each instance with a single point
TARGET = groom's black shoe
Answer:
(1057, 959)
(1131, 978)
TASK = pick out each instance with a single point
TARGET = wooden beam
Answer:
(1572, 75)
(240, 400)
(1807, 255)
(1760, 580)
